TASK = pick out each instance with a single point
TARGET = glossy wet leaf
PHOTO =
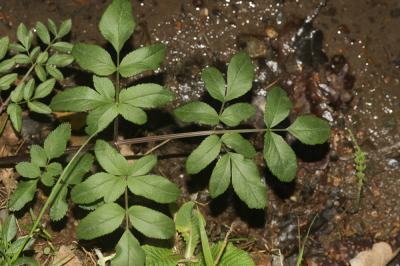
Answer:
(94, 59)
(247, 183)
(145, 58)
(280, 157)
(310, 129)
(240, 76)
(198, 112)
(203, 155)
(117, 23)
(102, 221)
(220, 176)
(277, 107)
(151, 223)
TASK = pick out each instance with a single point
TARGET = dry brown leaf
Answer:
(66, 257)
(380, 254)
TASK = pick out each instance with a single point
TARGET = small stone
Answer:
(204, 12)
(271, 32)
(393, 163)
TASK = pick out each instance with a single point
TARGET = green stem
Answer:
(126, 209)
(53, 194)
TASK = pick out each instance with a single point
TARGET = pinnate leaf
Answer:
(78, 99)
(154, 187)
(56, 142)
(15, 113)
(42, 32)
(277, 107)
(128, 251)
(221, 176)
(236, 113)
(38, 155)
(93, 188)
(104, 220)
(198, 112)
(310, 129)
(203, 155)
(239, 144)
(39, 107)
(280, 157)
(44, 89)
(145, 58)
(117, 23)
(27, 169)
(104, 86)
(93, 58)
(22, 195)
(147, 95)
(132, 114)
(59, 207)
(100, 118)
(151, 223)
(7, 80)
(247, 183)
(240, 76)
(160, 256)
(109, 159)
(143, 165)
(215, 83)
(65, 28)
(79, 167)
(4, 42)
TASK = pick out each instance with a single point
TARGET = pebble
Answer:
(393, 163)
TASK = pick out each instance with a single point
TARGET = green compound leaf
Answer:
(143, 165)
(40, 73)
(187, 224)
(151, 223)
(148, 95)
(4, 42)
(93, 58)
(277, 107)
(22, 195)
(247, 183)
(28, 170)
(52, 170)
(280, 157)
(239, 144)
(63, 47)
(109, 159)
(43, 32)
(78, 99)
(7, 64)
(154, 187)
(41, 59)
(15, 113)
(52, 26)
(128, 252)
(56, 142)
(9, 228)
(215, 83)
(60, 60)
(18, 93)
(117, 23)
(44, 89)
(39, 107)
(240, 76)
(100, 118)
(203, 155)
(7, 80)
(132, 114)
(104, 86)
(156, 256)
(38, 155)
(104, 220)
(93, 188)
(145, 58)
(198, 112)
(236, 113)
(24, 36)
(221, 176)
(59, 207)
(118, 186)
(310, 129)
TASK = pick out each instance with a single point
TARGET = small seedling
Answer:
(360, 162)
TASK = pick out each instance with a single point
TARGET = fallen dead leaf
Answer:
(66, 257)
(380, 254)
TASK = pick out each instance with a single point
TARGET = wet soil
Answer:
(342, 64)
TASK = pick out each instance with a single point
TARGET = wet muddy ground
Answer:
(340, 61)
